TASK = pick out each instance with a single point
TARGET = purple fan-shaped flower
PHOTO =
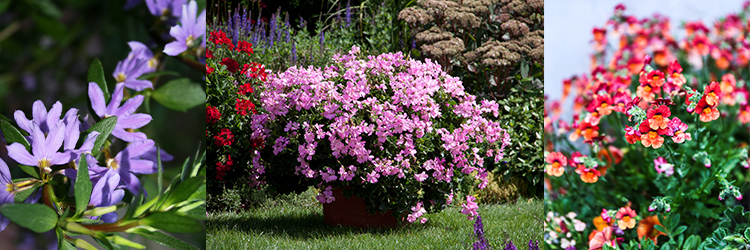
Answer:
(125, 117)
(162, 7)
(190, 29)
(127, 71)
(5, 195)
(105, 193)
(127, 163)
(140, 51)
(44, 148)
(43, 119)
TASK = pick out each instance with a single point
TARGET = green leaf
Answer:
(36, 217)
(117, 239)
(183, 191)
(96, 74)
(157, 73)
(679, 230)
(13, 135)
(104, 127)
(172, 222)
(163, 239)
(31, 170)
(661, 229)
(747, 233)
(82, 186)
(21, 196)
(49, 9)
(180, 95)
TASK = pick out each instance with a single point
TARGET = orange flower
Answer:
(615, 158)
(651, 137)
(675, 71)
(655, 78)
(600, 223)
(707, 112)
(658, 117)
(647, 92)
(711, 93)
(625, 218)
(557, 162)
(744, 114)
(646, 228)
(588, 175)
(588, 131)
(727, 88)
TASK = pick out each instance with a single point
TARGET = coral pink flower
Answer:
(647, 92)
(707, 112)
(744, 116)
(678, 129)
(632, 135)
(662, 166)
(711, 93)
(587, 130)
(675, 71)
(651, 137)
(602, 104)
(655, 78)
(601, 238)
(728, 82)
(588, 175)
(658, 117)
(557, 162)
(625, 218)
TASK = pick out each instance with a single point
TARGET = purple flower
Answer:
(190, 29)
(105, 193)
(125, 117)
(165, 7)
(6, 196)
(127, 163)
(140, 51)
(348, 15)
(41, 117)
(44, 148)
(294, 52)
(127, 71)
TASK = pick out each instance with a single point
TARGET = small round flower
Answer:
(212, 115)
(557, 162)
(625, 218)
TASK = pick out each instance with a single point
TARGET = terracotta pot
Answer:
(352, 212)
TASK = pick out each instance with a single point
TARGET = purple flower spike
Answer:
(105, 193)
(127, 163)
(5, 195)
(43, 119)
(125, 117)
(190, 29)
(44, 149)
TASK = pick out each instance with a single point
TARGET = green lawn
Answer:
(296, 222)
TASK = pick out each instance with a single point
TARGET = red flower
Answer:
(675, 71)
(620, 101)
(225, 138)
(209, 70)
(246, 47)
(707, 112)
(632, 135)
(243, 106)
(678, 129)
(219, 38)
(646, 91)
(256, 143)
(658, 117)
(223, 168)
(212, 115)
(711, 93)
(602, 105)
(744, 116)
(651, 137)
(245, 89)
(209, 54)
(231, 64)
(655, 78)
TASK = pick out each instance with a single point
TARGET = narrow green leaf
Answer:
(180, 95)
(13, 135)
(82, 186)
(679, 230)
(104, 127)
(49, 9)
(62, 243)
(163, 239)
(661, 229)
(36, 217)
(183, 191)
(185, 169)
(96, 74)
(160, 171)
(31, 170)
(83, 244)
(172, 222)
(117, 239)
(135, 203)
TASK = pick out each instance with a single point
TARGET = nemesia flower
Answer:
(557, 162)
(707, 112)
(602, 104)
(601, 238)
(632, 135)
(587, 130)
(655, 78)
(647, 91)
(711, 93)
(658, 117)
(620, 101)
(126, 119)
(588, 175)
(728, 81)
(662, 166)
(651, 137)
(744, 116)
(678, 129)
(625, 218)
(646, 228)
(189, 31)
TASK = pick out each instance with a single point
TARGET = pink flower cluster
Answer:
(418, 211)
(470, 208)
(326, 196)
(380, 112)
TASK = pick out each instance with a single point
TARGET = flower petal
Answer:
(54, 114)
(140, 166)
(39, 112)
(131, 182)
(21, 120)
(127, 136)
(18, 153)
(4, 173)
(138, 85)
(134, 121)
(116, 99)
(129, 106)
(97, 99)
(175, 48)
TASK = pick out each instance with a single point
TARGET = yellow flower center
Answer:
(555, 165)
(647, 89)
(707, 110)
(677, 133)
(111, 163)
(120, 77)
(656, 78)
(189, 40)
(626, 219)
(657, 117)
(652, 134)
(44, 163)
(11, 188)
(604, 105)
(152, 63)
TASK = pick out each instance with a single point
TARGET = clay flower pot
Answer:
(351, 211)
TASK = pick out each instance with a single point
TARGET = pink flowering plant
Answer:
(399, 133)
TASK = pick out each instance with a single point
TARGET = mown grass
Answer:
(296, 222)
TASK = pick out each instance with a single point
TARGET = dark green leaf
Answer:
(183, 190)
(661, 229)
(36, 217)
(172, 222)
(104, 127)
(163, 239)
(96, 74)
(48, 8)
(22, 195)
(180, 95)
(679, 230)
(82, 186)
(13, 135)
(692, 242)
(31, 170)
